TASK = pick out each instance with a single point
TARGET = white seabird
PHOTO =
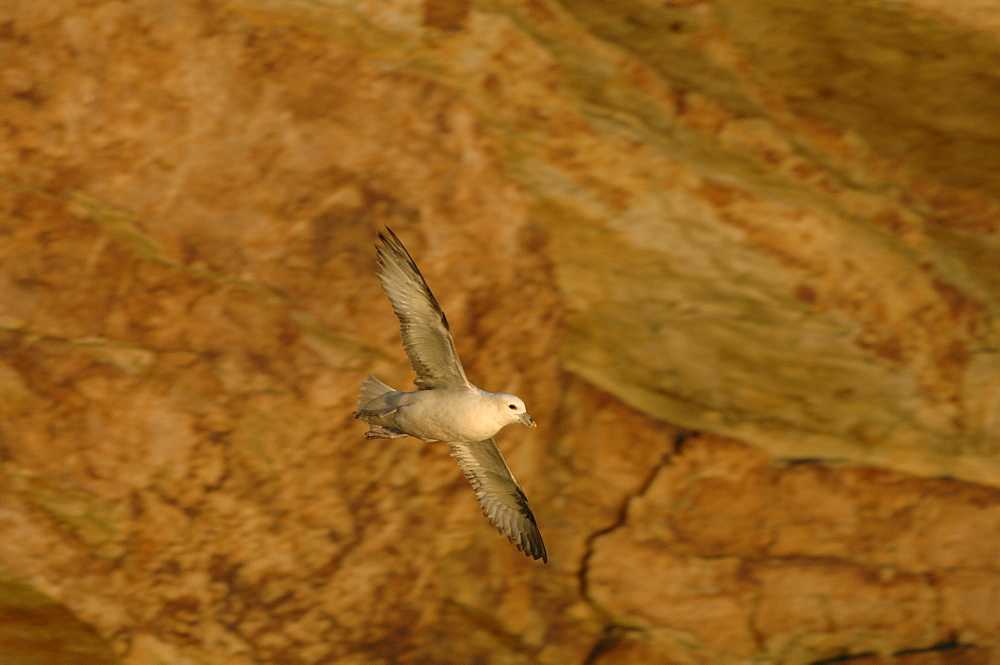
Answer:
(447, 407)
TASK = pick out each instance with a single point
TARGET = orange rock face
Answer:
(740, 260)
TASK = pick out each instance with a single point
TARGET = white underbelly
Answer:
(443, 417)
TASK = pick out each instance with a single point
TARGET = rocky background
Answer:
(740, 257)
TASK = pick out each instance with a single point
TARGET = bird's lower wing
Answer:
(501, 498)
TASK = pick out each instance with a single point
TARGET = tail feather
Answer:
(370, 389)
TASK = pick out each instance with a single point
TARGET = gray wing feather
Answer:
(501, 498)
(425, 331)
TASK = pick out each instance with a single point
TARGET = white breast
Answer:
(444, 415)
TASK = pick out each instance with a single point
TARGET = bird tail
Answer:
(370, 389)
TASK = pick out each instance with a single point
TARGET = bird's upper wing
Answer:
(426, 334)
(501, 498)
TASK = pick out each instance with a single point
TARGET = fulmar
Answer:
(446, 406)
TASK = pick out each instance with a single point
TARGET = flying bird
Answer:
(446, 406)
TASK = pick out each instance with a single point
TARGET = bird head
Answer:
(514, 410)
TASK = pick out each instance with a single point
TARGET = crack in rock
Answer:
(940, 646)
(614, 632)
(622, 515)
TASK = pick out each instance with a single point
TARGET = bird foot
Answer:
(379, 432)
(364, 414)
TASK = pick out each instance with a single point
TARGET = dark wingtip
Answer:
(396, 247)
(392, 243)
(389, 242)
(536, 550)
(533, 548)
(392, 240)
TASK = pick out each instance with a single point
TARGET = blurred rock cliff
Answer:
(741, 258)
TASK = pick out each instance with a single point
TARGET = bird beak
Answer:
(528, 421)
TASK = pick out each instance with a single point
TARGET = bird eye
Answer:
(513, 407)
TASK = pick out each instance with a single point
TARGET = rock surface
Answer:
(741, 259)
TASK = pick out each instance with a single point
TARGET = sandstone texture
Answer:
(740, 258)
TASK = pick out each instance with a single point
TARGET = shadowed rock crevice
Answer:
(613, 631)
(943, 653)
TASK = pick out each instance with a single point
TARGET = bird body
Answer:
(460, 415)
(447, 407)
